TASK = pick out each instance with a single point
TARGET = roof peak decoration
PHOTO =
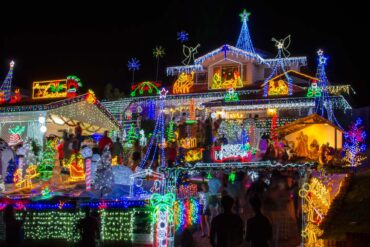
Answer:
(244, 41)
(281, 87)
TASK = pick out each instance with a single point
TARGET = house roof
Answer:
(76, 108)
(297, 76)
(304, 122)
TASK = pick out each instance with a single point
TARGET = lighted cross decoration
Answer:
(225, 49)
(245, 15)
(163, 93)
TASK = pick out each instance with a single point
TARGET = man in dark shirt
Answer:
(226, 228)
(259, 229)
(89, 229)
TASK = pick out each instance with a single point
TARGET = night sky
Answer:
(95, 41)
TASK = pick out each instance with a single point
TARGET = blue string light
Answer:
(6, 87)
(244, 41)
(157, 138)
(280, 64)
(324, 106)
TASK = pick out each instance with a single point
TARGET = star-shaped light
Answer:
(163, 93)
(12, 64)
(133, 64)
(245, 15)
(280, 45)
(320, 52)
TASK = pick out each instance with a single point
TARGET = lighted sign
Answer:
(235, 115)
(231, 152)
(279, 87)
(188, 143)
(183, 83)
(49, 89)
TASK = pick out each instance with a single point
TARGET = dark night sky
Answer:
(95, 42)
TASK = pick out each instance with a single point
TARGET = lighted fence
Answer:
(119, 225)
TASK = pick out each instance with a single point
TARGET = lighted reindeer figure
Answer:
(183, 83)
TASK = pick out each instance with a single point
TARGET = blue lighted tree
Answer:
(6, 87)
(324, 106)
(244, 41)
(133, 65)
(158, 137)
(354, 145)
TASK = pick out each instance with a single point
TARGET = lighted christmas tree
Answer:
(47, 163)
(354, 145)
(104, 176)
(30, 157)
(244, 40)
(170, 132)
(12, 167)
(132, 134)
(324, 106)
(6, 87)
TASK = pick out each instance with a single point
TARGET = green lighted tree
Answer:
(46, 165)
(132, 135)
(170, 131)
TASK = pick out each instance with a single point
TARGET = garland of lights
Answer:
(148, 86)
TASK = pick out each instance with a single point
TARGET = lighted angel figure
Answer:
(189, 53)
(283, 45)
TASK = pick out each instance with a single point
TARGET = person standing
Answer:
(117, 151)
(227, 227)
(204, 210)
(259, 228)
(88, 228)
(104, 142)
(14, 233)
(78, 134)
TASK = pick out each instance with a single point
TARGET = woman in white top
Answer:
(204, 209)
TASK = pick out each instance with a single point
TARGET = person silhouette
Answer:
(88, 228)
(259, 229)
(14, 233)
(227, 227)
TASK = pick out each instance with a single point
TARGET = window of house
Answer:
(226, 77)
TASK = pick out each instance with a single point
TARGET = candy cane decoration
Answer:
(88, 173)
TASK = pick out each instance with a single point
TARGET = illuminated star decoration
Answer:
(182, 36)
(159, 52)
(133, 64)
(322, 58)
(163, 93)
(245, 15)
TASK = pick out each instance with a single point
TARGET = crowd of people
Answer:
(262, 212)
